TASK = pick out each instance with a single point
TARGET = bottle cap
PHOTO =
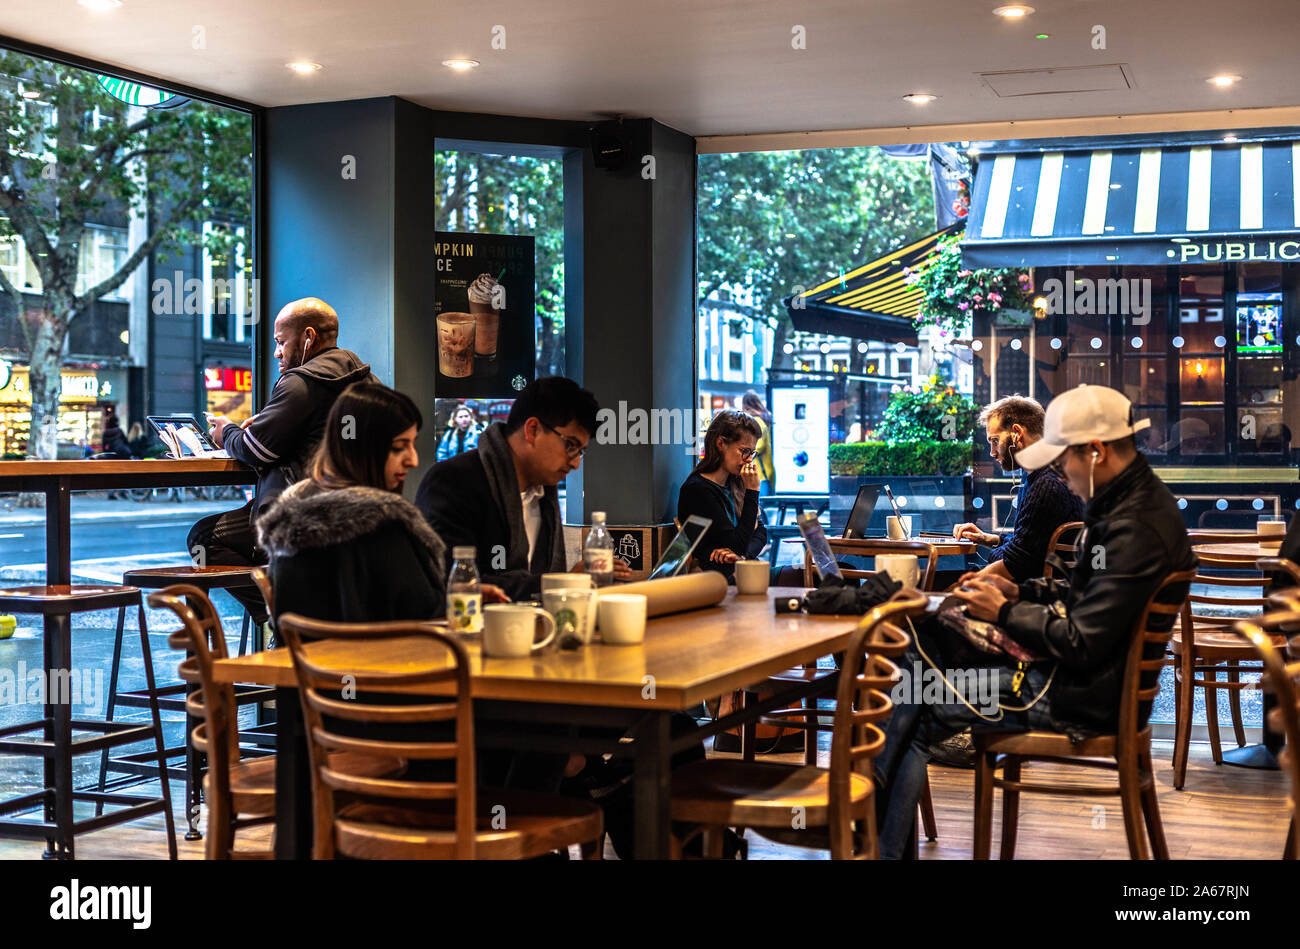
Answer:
(597, 517)
(464, 553)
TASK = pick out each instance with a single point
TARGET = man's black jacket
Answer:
(456, 498)
(280, 440)
(1134, 537)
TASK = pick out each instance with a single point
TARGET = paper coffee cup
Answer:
(899, 528)
(622, 618)
(1271, 532)
(566, 581)
(905, 568)
(752, 576)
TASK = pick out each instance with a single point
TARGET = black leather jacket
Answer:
(1134, 538)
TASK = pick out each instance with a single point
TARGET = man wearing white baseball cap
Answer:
(1076, 630)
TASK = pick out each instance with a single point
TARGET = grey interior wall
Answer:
(329, 236)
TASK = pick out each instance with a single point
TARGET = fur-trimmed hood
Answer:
(307, 517)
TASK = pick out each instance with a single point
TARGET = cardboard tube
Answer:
(675, 594)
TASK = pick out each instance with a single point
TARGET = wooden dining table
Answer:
(58, 479)
(685, 659)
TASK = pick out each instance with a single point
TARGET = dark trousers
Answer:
(228, 539)
(922, 718)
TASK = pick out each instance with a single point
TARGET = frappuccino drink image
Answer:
(456, 344)
(484, 294)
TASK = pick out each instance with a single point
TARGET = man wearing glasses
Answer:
(502, 497)
(1043, 502)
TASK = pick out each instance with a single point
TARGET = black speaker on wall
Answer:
(608, 145)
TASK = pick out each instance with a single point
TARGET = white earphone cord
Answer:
(951, 688)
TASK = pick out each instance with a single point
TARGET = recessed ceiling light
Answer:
(919, 98)
(100, 4)
(1229, 139)
(1014, 10)
(460, 65)
(1224, 80)
(303, 67)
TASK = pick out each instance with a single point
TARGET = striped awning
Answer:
(1189, 198)
(872, 301)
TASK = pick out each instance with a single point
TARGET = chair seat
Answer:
(1043, 743)
(1217, 643)
(535, 824)
(205, 578)
(252, 782)
(758, 793)
(67, 598)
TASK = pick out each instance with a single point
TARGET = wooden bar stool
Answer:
(59, 826)
(835, 805)
(1128, 751)
(366, 817)
(172, 698)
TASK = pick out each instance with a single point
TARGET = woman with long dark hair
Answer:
(724, 488)
(344, 544)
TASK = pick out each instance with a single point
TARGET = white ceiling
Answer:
(707, 67)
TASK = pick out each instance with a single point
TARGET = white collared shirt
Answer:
(531, 500)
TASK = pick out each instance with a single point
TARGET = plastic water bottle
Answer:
(464, 594)
(598, 552)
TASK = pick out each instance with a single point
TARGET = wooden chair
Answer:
(831, 808)
(1128, 751)
(1216, 647)
(1282, 676)
(1057, 544)
(363, 816)
(239, 793)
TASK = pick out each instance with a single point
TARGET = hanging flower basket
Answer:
(952, 292)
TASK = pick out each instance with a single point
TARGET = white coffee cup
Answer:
(566, 581)
(582, 603)
(905, 568)
(752, 576)
(900, 528)
(510, 630)
(1271, 531)
(622, 618)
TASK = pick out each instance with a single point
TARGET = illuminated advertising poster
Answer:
(484, 332)
(801, 439)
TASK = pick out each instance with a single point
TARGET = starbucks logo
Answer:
(518, 382)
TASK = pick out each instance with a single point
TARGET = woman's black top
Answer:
(743, 532)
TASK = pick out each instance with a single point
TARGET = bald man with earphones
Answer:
(1075, 631)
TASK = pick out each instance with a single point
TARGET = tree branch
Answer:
(179, 213)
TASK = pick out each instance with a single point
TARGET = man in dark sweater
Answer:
(502, 497)
(279, 441)
(1043, 504)
(1080, 627)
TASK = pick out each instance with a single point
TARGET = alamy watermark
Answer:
(82, 687)
(637, 426)
(926, 685)
(1085, 296)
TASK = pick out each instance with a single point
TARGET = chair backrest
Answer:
(1283, 678)
(1064, 540)
(213, 704)
(1146, 655)
(331, 683)
(1221, 586)
(862, 703)
(263, 581)
(869, 548)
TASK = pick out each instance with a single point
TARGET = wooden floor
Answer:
(1224, 813)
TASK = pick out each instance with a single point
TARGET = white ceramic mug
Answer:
(510, 630)
(752, 576)
(903, 567)
(1271, 530)
(622, 618)
(582, 603)
(899, 528)
(566, 581)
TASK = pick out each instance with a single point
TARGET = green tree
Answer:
(512, 194)
(775, 221)
(73, 151)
